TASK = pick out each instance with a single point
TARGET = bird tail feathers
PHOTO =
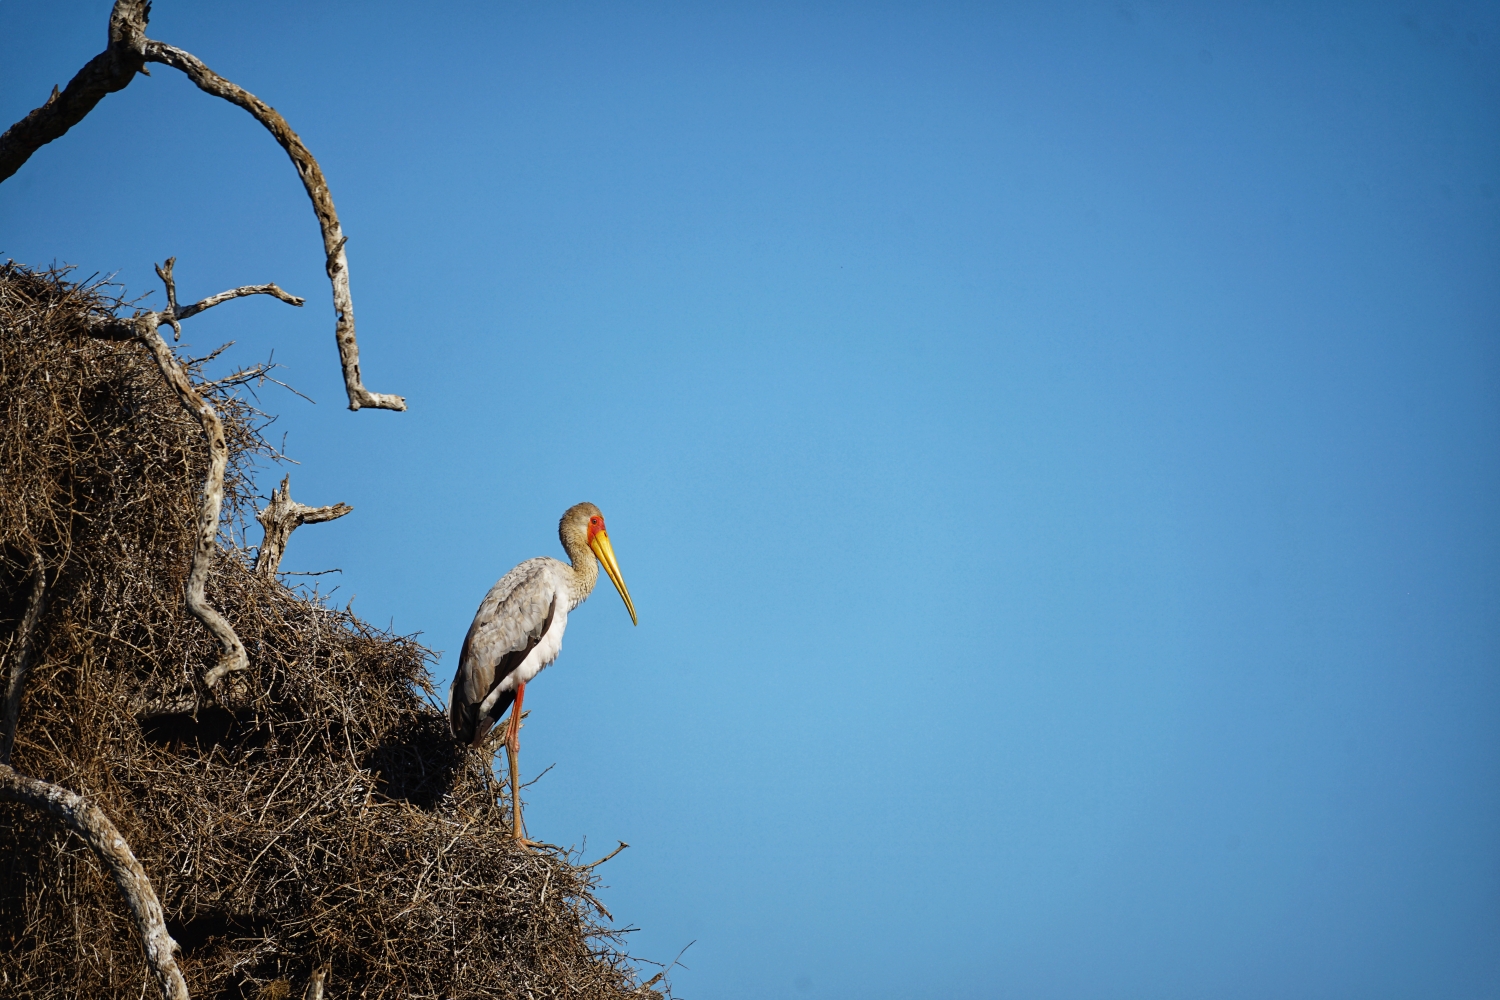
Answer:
(469, 726)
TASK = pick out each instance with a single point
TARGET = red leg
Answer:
(513, 736)
(513, 751)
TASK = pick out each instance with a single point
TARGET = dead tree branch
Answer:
(21, 649)
(315, 983)
(232, 657)
(145, 328)
(128, 52)
(280, 518)
(334, 239)
(106, 73)
(611, 854)
(90, 823)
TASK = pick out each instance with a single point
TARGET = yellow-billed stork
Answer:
(518, 631)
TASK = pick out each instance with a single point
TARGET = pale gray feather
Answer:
(513, 618)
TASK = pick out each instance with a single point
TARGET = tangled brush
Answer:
(312, 820)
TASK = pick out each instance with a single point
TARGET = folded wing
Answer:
(514, 618)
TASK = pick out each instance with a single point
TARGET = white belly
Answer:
(541, 655)
(538, 659)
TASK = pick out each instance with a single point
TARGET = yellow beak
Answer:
(606, 553)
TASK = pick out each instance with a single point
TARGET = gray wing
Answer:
(511, 620)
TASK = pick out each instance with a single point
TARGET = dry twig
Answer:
(611, 854)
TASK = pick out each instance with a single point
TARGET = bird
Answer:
(518, 632)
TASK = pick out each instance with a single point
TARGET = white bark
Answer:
(90, 823)
(336, 262)
(21, 646)
(280, 518)
(315, 984)
(145, 328)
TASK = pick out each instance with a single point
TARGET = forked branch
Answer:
(174, 313)
(90, 823)
(128, 52)
(145, 327)
(280, 518)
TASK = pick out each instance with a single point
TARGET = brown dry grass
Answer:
(321, 814)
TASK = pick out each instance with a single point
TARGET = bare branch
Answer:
(145, 328)
(90, 823)
(235, 293)
(164, 272)
(611, 854)
(128, 52)
(336, 261)
(315, 983)
(21, 647)
(200, 362)
(243, 377)
(280, 518)
(232, 652)
(259, 373)
(109, 71)
(174, 313)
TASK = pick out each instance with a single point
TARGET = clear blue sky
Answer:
(1052, 448)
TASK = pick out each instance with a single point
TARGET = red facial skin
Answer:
(596, 526)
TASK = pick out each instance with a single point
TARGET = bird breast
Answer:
(536, 594)
(543, 653)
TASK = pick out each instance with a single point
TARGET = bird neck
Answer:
(585, 569)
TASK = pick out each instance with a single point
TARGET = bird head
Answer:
(586, 521)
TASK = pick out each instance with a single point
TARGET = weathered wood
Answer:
(128, 52)
(20, 653)
(317, 190)
(280, 518)
(109, 71)
(315, 983)
(145, 327)
(89, 822)
(205, 546)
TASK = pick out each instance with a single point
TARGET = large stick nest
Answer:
(314, 811)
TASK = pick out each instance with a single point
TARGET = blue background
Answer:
(1053, 450)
